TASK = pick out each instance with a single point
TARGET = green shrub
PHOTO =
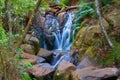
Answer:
(3, 36)
(23, 74)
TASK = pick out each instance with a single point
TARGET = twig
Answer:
(101, 24)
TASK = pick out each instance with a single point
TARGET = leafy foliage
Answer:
(3, 36)
(86, 10)
(23, 74)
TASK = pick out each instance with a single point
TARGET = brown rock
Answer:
(39, 70)
(64, 67)
(31, 38)
(104, 73)
(32, 61)
(44, 53)
(61, 17)
(39, 20)
(29, 58)
(27, 48)
(83, 72)
(85, 62)
(92, 73)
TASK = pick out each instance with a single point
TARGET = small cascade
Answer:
(58, 36)
(63, 38)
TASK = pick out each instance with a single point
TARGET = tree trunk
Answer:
(101, 24)
(7, 7)
(29, 23)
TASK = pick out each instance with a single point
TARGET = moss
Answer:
(113, 57)
(87, 41)
(65, 76)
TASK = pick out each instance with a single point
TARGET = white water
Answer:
(62, 38)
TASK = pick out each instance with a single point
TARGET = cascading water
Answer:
(63, 39)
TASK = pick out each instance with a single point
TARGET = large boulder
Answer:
(65, 67)
(78, 74)
(91, 73)
(30, 58)
(64, 71)
(40, 70)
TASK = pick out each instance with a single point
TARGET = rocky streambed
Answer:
(55, 60)
(63, 65)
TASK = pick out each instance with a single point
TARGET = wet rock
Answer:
(65, 67)
(40, 70)
(27, 48)
(61, 17)
(51, 23)
(49, 39)
(91, 73)
(45, 54)
(85, 62)
(40, 60)
(39, 20)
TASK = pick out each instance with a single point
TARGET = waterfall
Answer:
(63, 38)
(62, 31)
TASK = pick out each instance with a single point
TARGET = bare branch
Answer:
(101, 24)
(7, 7)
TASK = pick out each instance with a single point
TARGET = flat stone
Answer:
(45, 54)
(28, 56)
(32, 61)
(40, 70)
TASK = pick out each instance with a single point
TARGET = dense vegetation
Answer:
(16, 18)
